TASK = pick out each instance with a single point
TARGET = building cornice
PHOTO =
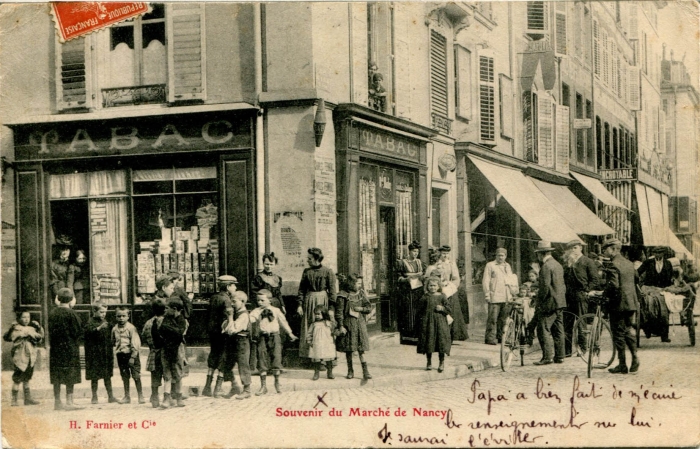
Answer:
(350, 110)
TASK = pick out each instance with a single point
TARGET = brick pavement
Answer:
(669, 370)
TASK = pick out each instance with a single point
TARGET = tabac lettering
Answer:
(81, 138)
(169, 132)
(214, 126)
(121, 141)
(386, 143)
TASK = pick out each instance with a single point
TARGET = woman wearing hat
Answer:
(410, 271)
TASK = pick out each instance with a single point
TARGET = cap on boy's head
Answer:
(227, 279)
(501, 251)
(573, 243)
(611, 242)
(65, 295)
(172, 274)
(263, 292)
(241, 296)
(659, 249)
(175, 303)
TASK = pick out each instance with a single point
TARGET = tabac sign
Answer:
(618, 174)
(163, 134)
(366, 138)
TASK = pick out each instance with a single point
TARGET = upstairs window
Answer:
(537, 24)
(439, 106)
(487, 94)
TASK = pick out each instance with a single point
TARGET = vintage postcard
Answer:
(350, 224)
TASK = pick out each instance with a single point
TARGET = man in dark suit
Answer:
(580, 277)
(620, 290)
(657, 271)
(551, 302)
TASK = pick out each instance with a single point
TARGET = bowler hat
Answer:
(573, 243)
(543, 246)
(659, 249)
(227, 279)
(611, 242)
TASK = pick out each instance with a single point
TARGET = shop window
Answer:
(89, 235)
(176, 227)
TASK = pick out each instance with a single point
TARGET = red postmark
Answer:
(75, 19)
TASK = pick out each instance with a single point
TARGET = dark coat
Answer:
(653, 278)
(217, 312)
(181, 294)
(64, 353)
(581, 277)
(620, 286)
(273, 283)
(552, 290)
(169, 335)
(99, 355)
(433, 330)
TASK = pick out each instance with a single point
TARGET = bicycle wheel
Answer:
(509, 344)
(592, 342)
(580, 335)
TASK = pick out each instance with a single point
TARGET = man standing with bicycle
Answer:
(621, 293)
(551, 302)
(580, 277)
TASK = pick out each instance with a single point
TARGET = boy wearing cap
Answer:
(497, 293)
(621, 292)
(217, 314)
(64, 353)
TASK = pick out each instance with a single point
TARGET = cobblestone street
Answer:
(661, 400)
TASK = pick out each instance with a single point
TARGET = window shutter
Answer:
(614, 72)
(536, 17)
(528, 127)
(662, 132)
(633, 21)
(186, 51)
(73, 74)
(560, 43)
(402, 63)
(487, 107)
(463, 82)
(596, 48)
(635, 99)
(507, 101)
(562, 138)
(438, 73)
(606, 56)
(545, 108)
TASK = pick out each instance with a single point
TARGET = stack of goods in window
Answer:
(192, 253)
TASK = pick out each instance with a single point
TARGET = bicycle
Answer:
(514, 336)
(593, 331)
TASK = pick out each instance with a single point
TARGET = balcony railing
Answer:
(134, 95)
(442, 124)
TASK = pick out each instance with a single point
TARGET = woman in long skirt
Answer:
(410, 271)
(317, 286)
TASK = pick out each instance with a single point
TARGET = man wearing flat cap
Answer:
(497, 293)
(217, 315)
(580, 278)
(656, 271)
(551, 302)
(620, 290)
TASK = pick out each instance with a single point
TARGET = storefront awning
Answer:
(580, 218)
(528, 201)
(598, 190)
(653, 215)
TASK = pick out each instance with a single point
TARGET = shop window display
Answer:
(176, 227)
(89, 225)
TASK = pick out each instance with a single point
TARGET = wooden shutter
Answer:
(73, 74)
(438, 74)
(614, 67)
(633, 31)
(635, 97)
(563, 144)
(596, 48)
(545, 124)
(560, 43)
(237, 190)
(186, 51)
(359, 53)
(536, 17)
(487, 99)
(605, 49)
(662, 132)
(32, 273)
(402, 62)
(463, 82)
(507, 102)
(528, 127)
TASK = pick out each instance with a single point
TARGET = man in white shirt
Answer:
(497, 293)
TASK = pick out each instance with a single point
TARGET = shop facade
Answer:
(382, 200)
(125, 200)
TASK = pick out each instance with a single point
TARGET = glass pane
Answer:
(158, 12)
(152, 175)
(369, 227)
(150, 215)
(196, 185)
(201, 211)
(404, 181)
(122, 34)
(153, 32)
(151, 187)
(108, 245)
(195, 173)
(107, 182)
(68, 186)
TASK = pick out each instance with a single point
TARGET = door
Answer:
(387, 260)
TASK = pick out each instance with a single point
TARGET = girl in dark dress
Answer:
(352, 307)
(269, 281)
(434, 331)
(99, 358)
(410, 271)
(64, 352)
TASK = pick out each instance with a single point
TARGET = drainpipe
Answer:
(259, 142)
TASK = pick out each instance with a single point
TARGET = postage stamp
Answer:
(75, 19)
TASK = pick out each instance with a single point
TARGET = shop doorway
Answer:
(387, 256)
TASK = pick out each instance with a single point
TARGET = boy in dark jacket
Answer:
(168, 336)
(64, 353)
(24, 335)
